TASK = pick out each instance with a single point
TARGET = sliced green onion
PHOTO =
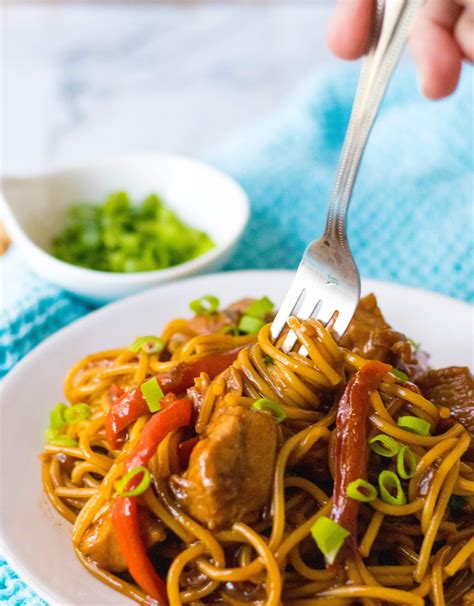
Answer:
(361, 490)
(121, 485)
(273, 407)
(149, 345)
(406, 463)
(78, 412)
(208, 304)
(384, 445)
(269, 361)
(391, 490)
(56, 416)
(329, 537)
(260, 308)
(152, 393)
(118, 236)
(398, 374)
(250, 325)
(415, 346)
(50, 434)
(63, 441)
(415, 425)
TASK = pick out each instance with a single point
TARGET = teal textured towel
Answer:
(411, 218)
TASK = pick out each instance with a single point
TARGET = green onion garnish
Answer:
(121, 485)
(50, 434)
(118, 236)
(415, 346)
(398, 374)
(63, 441)
(56, 416)
(149, 345)
(273, 407)
(361, 490)
(406, 463)
(152, 393)
(57, 421)
(260, 308)
(415, 425)
(384, 445)
(269, 361)
(329, 537)
(208, 304)
(78, 412)
(391, 490)
(250, 325)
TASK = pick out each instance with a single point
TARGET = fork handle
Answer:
(392, 22)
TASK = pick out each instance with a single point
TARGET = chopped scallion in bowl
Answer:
(119, 236)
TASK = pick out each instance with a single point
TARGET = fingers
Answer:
(442, 36)
(435, 49)
(349, 28)
(464, 32)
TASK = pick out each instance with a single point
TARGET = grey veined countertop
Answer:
(84, 81)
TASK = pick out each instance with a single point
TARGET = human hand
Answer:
(441, 38)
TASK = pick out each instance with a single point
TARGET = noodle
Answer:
(406, 551)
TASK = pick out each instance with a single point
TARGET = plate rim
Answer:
(30, 578)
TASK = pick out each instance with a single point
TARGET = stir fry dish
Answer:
(205, 466)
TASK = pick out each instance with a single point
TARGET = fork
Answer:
(327, 282)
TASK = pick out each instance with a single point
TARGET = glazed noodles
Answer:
(208, 467)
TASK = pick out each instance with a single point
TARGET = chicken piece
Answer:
(367, 319)
(452, 387)
(413, 363)
(230, 471)
(209, 323)
(370, 336)
(197, 392)
(101, 545)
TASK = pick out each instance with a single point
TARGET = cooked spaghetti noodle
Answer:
(256, 547)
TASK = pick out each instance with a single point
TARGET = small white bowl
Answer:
(34, 210)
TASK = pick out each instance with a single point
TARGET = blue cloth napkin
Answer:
(411, 218)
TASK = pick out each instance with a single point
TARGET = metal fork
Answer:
(327, 282)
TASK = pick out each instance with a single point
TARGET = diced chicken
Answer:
(209, 323)
(101, 545)
(452, 387)
(370, 336)
(198, 391)
(367, 319)
(230, 471)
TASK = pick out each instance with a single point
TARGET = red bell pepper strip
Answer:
(125, 510)
(351, 443)
(167, 400)
(122, 412)
(131, 405)
(182, 376)
(177, 414)
(127, 526)
(115, 392)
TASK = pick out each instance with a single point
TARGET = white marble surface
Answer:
(83, 81)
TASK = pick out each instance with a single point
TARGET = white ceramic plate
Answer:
(36, 540)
